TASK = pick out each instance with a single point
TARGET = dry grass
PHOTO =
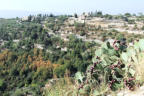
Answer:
(139, 67)
(61, 87)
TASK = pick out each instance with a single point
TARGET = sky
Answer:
(21, 7)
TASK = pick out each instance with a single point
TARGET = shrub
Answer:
(82, 33)
(112, 67)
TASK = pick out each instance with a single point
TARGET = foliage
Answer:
(112, 66)
(29, 54)
(32, 51)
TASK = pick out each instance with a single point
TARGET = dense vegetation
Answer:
(24, 66)
(32, 51)
(117, 66)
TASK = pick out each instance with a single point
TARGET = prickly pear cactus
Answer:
(112, 66)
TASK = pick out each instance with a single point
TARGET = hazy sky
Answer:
(72, 6)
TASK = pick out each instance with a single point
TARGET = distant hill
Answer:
(21, 13)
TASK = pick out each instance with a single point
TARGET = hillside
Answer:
(36, 48)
